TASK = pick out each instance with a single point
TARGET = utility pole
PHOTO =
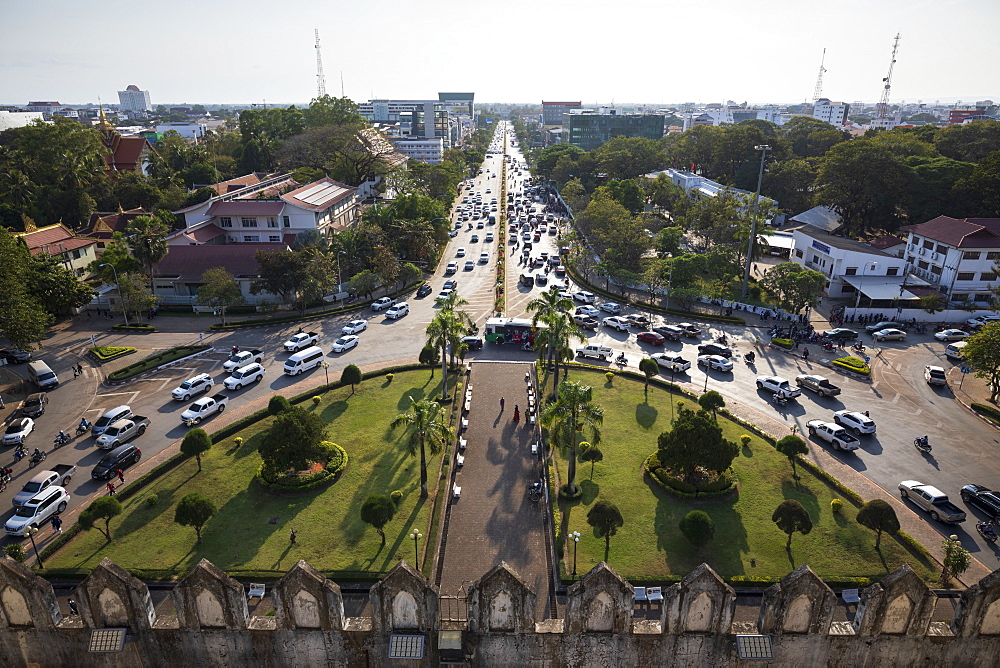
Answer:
(763, 148)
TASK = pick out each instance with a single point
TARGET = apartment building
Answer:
(958, 255)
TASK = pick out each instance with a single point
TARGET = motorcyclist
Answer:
(750, 356)
(988, 528)
(36, 455)
(84, 425)
(62, 436)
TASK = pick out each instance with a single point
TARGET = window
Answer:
(892, 271)
(274, 238)
(929, 245)
(987, 276)
(970, 255)
(226, 221)
(798, 253)
(936, 270)
(851, 271)
(287, 221)
(966, 276)
(942, 249)
(272, 222)
(922, 264)
(248, 222)
(959, 297)
(251, 237)
(993, 255)
(985, 297)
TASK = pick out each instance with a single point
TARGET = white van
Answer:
(44, 377)
(956, 350)
(310, 358)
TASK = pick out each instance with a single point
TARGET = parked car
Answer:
(889, 335)
(818, 384)
(857, 422)
(382, 304)
(638, 319)
(616, 323)
(651, 337)
(716, 362)
(714, 349)
(34, 404)
(15, 356)
(984, 499)
(600, 352)
(356, 326)
(589, 311)
(981, 320)
(397, 311)
(841, 333)
(951, 335)
(424, 290)
(885, 324)
(670, 332)
(120, 458)
(610, 307)
(935, 375)
(690, 330)
(344, 343)
(671, 361)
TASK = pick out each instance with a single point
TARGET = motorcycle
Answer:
(922, 444)
(83, 427)
(858, 347)
(37, 458)
(779, 399)
(18, 454)
(749, 358)
(987, 531)
(829, 346)
(721, 338)
(621, 360)
(62, 438)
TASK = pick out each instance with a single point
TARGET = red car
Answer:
(651, 337)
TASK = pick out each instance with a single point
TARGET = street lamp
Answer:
(576, 541)
(31, 531)
(415, 536)
(670, 278)
(119, 285)
(326, 369)
(340, 282)
(858, 300)
(763, 148)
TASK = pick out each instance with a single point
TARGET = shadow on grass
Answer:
(334, 410)
(746, 451)
(645, 415)
(804, 495)
(590, 491)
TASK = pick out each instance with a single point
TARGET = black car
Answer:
(841, 334)
(15, 356)
(34, 404)
(451, 284)
(120, 458)
(474, 342)
(424, 290)
(982, 498)
(714, 349)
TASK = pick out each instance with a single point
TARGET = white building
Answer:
(732, 115)
(184, 129)
(133, 99)
(430, 151)
(957, 255)
(849, 265)
(18, 119)
(699, 186)
(834, 113)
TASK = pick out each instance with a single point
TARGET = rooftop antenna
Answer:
(320, 79)
(883, 104)
(342, 94)
(818, 92)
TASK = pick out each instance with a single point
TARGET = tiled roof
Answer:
(53, 239)
(239, 182)
(188, 263)
(246, 207)
(887, 241)
(205, 233)
(103, 225)
(127, 153)
(319, 195)
(960, 232)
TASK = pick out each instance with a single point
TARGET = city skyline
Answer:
(656, 53)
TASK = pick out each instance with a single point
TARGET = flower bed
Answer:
(853, 364)
(107, 353)
(720, 484)
(783, 343)
(279, 482)
(156, 360)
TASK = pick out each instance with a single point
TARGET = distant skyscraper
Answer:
(133, 99)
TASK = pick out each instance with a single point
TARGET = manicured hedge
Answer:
(987, 411)
(281, 483)
(136, 329)
(106, 353)
(783, 343)
(156, 360)
(674, 486)
(853, 364)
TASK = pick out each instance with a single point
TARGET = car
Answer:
(460, 252)
(453, 233)
(714, 349)
(856, 421)
(443, 295)
(383, 303)
(475, 238)
(689, 329)
(651, 337)
(671, 361)
(120, 458)
(424, 290)
(889, 335)
(615, 323)
(841, 333)
(638, 319)
(18, 430)
(470, 265)
(35, 513)
(344, 343)
(34, 404)
(818, 384)
(451, 268)
(951, 335)
(484, 258)
(885, 324)
(984, 499)
(354, 327)
(777, 384)
(981, 320)
(935, 375)
(670, 332)
(15, 356)
(584, 296)
(489, 236)
(716, 362)
(473, 342)
(251, 373)
(397, 311)
(610, 307)
(192, 386)
(450, 284)
(560, 270)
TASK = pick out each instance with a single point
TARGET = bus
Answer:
(510, 330)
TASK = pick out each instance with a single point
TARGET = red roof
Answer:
(127, 153)
(188, 263)
(103, 225)
(887, 241)
(238, 183)
(246, 207)
(960, 232)
(53, 240)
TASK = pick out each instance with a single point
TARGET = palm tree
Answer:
(147, 239)
(429, 430)
(567, 418)
(561, 332)
(552, 310)
(447, 328)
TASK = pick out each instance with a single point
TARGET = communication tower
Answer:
(818, 93)
(320, 79)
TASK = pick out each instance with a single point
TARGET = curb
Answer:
(842, 372)
(116, 383)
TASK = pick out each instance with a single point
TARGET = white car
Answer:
(584, 296)
(397, 311)
(355, 327)
(443, 295)
(935, 375)
(889, 335)
(617, 323)
(982, 320)
(451, 268)
(484, 258)
(192, 386)
(17, 431)
(489, 236)
(251, 373)
(671, 361)
(460, 252)
(951, 335)
(587, 310)
(470, 265)
(344, 343)
(717, 362)
(777, 384)
(855, 421)
(610, 307)
(382, 304)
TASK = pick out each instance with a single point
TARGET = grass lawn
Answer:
(650, 544)
(250, 532)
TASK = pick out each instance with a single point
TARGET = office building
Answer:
(133, 99)
(589, 130)
(834, 113)
(552, 112)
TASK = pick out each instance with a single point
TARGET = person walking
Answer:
(73, 610)
(111, 488)
(79, 367)
(121, 476)
(75, 372)
(517, 413)
(805, 353)
(501, 404)
(57, 523)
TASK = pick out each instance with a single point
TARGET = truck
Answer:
(242, 358)
(932, 500)
(818, 384)
(585, 321)
(383, 303)
(300, 341)
(60, 474)
(600, 352)
(777, 384)
(122, 431)
(838, 437)
(203, 408)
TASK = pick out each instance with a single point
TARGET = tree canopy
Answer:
(790, 517)
(194, 510)
(294, 440)
(378, 510)
(696, 441)
(878, 516)
(606, 519)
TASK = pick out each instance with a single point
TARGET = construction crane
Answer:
(320, 79)
(883, 104)
(818, 93)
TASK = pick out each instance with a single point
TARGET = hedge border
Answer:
(330, 477)
(690, 495)
(135, 329)
(864, 370)
(196, 349)
(101, 359)
(989, 412)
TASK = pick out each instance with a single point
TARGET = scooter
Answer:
(922, 444)
(36, 458)
(18, 454)
(621, 360)
(749, 358)
(779, 398)
(83, 427)
(721, 338)
(987, 531)
(62, 438)
(858, 347)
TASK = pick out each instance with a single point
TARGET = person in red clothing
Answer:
(517, 413)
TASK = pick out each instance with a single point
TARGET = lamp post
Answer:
(340, 282)
(858, 300)
(670, 279)
(763, 148)
(119, 285)
(31, 531)
(575, 535)
(326, 369)
(415, 536)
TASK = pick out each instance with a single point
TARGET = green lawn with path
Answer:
(650, 544)
(242, 537)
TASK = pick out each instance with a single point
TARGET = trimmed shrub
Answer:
(783, 343)
(152, 500)
(316, 400)
(389, 377)
(278, 404)
(16, 552)
(697, 527)
(853, 364)
(987, 411)
(279, 482)
(836, 505)
(610, 375)
(105, 353)
(396, 496)
(137, 329)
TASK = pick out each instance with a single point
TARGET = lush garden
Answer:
(746, 544)
(250, 530)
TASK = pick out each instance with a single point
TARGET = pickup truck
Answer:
(932, 500)
(834, 434)
(777, 384)
(818, 384)
(122, 431)
(383, 303)
(204, 407)
(60, 474)
(299, 341)
(242, 358)
(689, 329)
(585, 321)
(599, 352)
(984, 499)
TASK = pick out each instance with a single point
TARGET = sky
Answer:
(520, 51)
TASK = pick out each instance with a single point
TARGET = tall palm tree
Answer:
(552, 310)
(561, 333)
(428, 431)
(568, 417)
(147, 239)
(447, 328)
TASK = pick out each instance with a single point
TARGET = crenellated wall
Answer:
(212, 626)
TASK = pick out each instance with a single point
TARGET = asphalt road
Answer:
(900, 402)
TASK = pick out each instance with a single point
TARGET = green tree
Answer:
(810, 137)
(147, 239)
(378, 510)
(16, 552)
(982, 351)
(697, 527)
(668, 241)
(569, 419)
(446, 330)
(294, 440)
(629, 157)
(712, 401)
(628, 194)
(327, 110)
(364, 283)
(102, 508)
(968, 142)
(23, 319)
(116, 255)
(696, 441)
(593, 455)
(351, 375)
(278, 404)
(135, 294)
(219, 290)
(57, 288)
(981, 188)
(195, 443)
(649, 368)
(427, 430)
(956, 560)
(282, 273)
(793, 285)
(606, 519)
(429, 356)
(878, 516)
(790, 517)
(792, 447)
(194, 510)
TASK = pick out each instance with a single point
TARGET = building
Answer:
(698, 186)
(459, 104)
(430, 151)
(588, 130)
(958, 256)
(123, 154)
(552, 112)
(732, 115)
(965, 114)
(187, 130)
(178, 274)
(102, 226)
(834, 113)
(47, 109)
(133, 99)
(18, 119)
(417, 119)
(74, 252)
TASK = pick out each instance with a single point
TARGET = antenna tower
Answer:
(818, 92)
(883, 104)
(320, 79)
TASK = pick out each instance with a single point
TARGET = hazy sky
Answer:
(656, 51)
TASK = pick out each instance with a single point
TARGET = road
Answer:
(900, 402)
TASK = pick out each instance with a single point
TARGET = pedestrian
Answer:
(73, 610)
(121, 476)
(501, 404)
(291, 536)
(517, 412)
(805, 353)
(57, 523)
(79, 368)
(111, 487)
(75, 372)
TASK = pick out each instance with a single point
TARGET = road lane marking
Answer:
(896, 399)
